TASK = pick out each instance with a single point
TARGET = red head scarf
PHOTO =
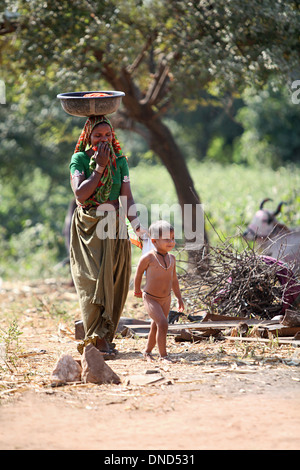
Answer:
(103, 190)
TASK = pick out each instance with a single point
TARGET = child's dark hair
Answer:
(160, 229)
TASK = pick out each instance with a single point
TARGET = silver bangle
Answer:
(100, 172)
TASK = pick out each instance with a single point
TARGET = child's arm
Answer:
(176, 289)
(141, 268)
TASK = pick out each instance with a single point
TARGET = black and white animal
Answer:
(273, 238)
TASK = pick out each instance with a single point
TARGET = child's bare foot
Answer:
(148, 356)
(167, 360)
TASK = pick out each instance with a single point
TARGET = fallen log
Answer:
(281, 330)
(194, 336)
(125, 327)
(221, 325)
(291, 318)
(218, 326)
(214, 326)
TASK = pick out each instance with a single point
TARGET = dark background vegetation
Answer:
(207, 83)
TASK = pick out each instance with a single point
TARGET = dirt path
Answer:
(220, 395)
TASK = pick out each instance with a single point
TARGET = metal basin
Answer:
(77, 105)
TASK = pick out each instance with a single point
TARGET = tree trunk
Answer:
(162, 142)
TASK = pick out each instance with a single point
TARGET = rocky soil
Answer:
(218, 395)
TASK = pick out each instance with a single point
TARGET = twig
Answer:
(237, 284)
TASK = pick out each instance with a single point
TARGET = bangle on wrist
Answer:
(101, 168)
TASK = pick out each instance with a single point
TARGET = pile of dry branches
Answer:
(236, 284)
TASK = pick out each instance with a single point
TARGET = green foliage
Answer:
(222, 45)
(208, 127)
(35, 133)
(67, 42)
(214, 50)
(10, 339)
(229, 44)
(31, 220)
(231, 195)
(270, 134)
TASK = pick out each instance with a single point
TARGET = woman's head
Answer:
(102, 132)
(97, 128)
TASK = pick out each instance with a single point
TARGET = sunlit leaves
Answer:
(233, 42)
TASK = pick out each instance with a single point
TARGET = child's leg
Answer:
(166, 309)
(158, 311)
(151, 339)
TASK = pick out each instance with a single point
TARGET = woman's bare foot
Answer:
(148, 356)
(103, 346)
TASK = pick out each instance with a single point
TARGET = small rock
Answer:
(66, 370)
(79, 330)
(95, 369)
(242, 328)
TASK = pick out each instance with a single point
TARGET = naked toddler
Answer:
(161, 279)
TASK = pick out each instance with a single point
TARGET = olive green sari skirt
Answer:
(100, 258)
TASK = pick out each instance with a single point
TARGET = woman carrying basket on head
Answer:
(100, 251)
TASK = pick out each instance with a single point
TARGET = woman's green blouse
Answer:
(80, 165)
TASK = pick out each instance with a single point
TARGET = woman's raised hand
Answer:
(102, 154)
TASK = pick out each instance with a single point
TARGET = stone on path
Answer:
(95, 369)
(66, 370)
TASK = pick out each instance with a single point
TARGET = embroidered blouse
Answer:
(80, 165)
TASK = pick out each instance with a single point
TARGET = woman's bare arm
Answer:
(130, 209)
(83, 188)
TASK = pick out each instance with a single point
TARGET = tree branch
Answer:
(9, 23)
(121, 120)
(131, 68)
(158, 86)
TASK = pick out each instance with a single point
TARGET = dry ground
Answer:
(219, 395)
